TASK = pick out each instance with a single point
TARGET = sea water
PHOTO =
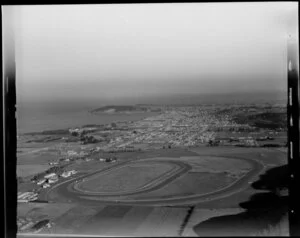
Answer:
(37, 117)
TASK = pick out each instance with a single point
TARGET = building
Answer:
(73, 172)
(24, 195)
(33, 197)
(27, 196)
(66, 174)
(53, 180)
(41, 182)
(48, 176)
(46, 185)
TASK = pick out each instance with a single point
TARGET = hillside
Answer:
(119, 108)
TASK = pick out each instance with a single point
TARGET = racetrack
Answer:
(71, 191)
(178, 169)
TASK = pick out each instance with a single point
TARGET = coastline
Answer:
(78, 119)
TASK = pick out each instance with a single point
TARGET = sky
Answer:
(140, 50)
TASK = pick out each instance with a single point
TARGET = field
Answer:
(38, 156)
(130, 177)
(215, 164)
(211, 169)
(88, 166)
(120, 220)
(191, 184)
(38, 210)
(31, 169)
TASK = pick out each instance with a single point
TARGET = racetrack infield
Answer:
(125, 178)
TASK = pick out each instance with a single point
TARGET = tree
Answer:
(74, 133)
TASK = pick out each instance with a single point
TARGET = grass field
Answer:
(39, 210)
(38, 157)
(88, 166)
(31, 169)
(216, 164)
(125, 178)
(209, 173)
(191, 184)
(266, 155)
(134, 221)
(77, 216)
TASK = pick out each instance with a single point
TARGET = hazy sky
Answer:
(94, 51)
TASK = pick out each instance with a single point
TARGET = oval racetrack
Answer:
(122, 182)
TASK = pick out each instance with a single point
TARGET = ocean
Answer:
(39, 117)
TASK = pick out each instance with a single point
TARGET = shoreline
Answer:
(65, 130)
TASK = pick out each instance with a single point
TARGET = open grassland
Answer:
(25, 187)
(267, 156)
(76, 217)
(216, 164)
(88, 166)
(38, 157)
(209, 173)
(173, 153)
(133, 221)
(191, 184)
(31, 169)
(162, 222)
(43, 210)
(125, 178)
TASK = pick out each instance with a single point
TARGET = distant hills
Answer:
(126, 109)
(120, 108)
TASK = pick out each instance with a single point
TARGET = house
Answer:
(46, 185)
(33, 197)
(73, 172)
(41, 182)
(66, 174)
(24, 195)
(53, 180)
(113, 160)
(22, 200)
(48, 176)
(71, 152)
(27, 196)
